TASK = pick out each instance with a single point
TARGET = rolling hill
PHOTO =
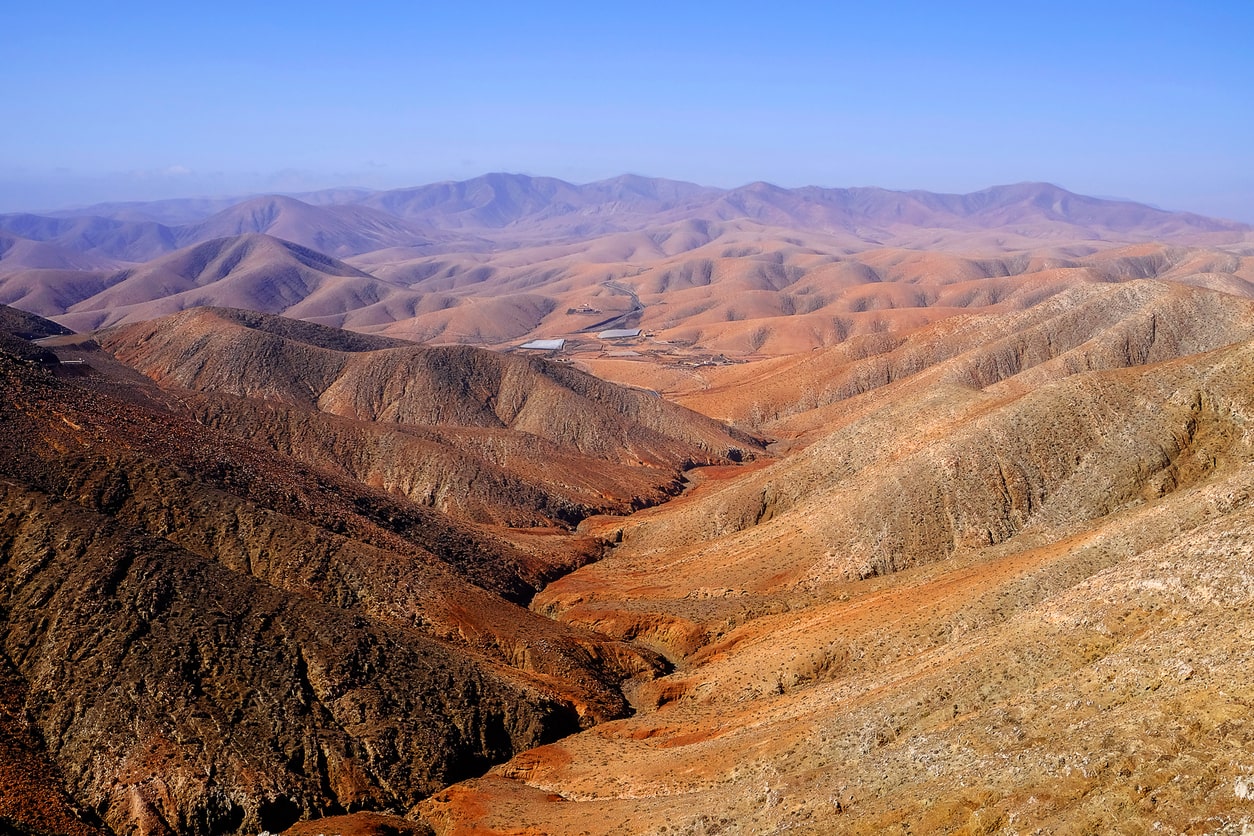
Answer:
(197, 530)
(467, 431)
(501, 259)
(252, 271)
(907, 512)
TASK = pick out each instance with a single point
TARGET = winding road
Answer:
(623, 319)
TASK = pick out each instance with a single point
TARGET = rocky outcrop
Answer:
(182, 697)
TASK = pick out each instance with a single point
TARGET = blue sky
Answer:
(127, 100)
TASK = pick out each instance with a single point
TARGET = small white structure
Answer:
(618, 333)
(544, 345)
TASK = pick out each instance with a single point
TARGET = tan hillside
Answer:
(900, 512)
(252, 271)
(976, 602)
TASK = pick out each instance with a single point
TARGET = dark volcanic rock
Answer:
(27, 326)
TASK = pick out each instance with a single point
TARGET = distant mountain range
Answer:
(501, 257)
(354, 221)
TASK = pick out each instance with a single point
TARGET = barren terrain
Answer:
(903, 513)
(706, 273)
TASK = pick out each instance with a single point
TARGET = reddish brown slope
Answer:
(899, 428)
(1008, 588)
(213, 637)
(1088, 326)
(495, 437)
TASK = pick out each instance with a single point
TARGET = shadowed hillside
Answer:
(207, 635)
(493, 437)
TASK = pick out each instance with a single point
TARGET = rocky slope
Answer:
(491, 437)
(961, 436)
(200, 634)
(1001, 591)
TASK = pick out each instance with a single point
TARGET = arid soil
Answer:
(203, 634)
(904, 513)
(1006, 591)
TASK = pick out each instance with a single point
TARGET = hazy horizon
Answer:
(152, 102)
(291, 190)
